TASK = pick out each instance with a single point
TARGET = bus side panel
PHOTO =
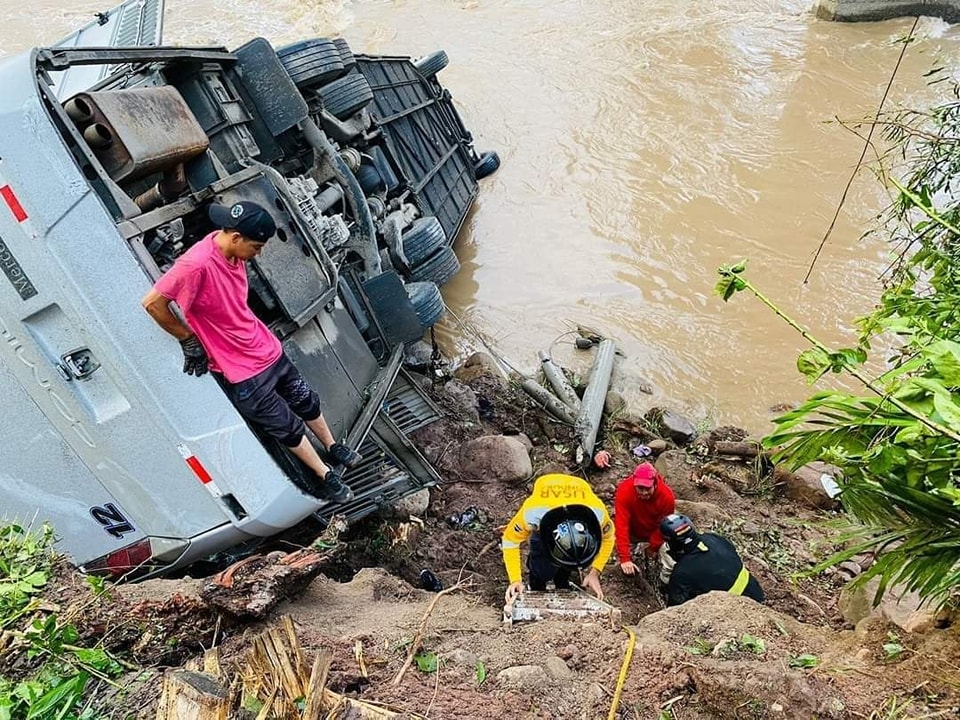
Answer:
(43, 480)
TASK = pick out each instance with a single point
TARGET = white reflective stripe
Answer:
(213, 488)
(533, 516)
(509, 544)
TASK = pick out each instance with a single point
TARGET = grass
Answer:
(57, 674)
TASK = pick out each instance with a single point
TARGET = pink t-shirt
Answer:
(212, 293)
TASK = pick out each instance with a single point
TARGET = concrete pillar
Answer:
(866, 10)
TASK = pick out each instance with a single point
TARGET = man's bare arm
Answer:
(158, 307)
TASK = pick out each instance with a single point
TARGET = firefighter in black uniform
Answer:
(703, 563)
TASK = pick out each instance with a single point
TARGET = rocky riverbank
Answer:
(816, 649)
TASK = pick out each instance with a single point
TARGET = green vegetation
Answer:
(898, 448)
(806, 661)
(60, 672)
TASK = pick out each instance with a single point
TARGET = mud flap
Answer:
(393, 309)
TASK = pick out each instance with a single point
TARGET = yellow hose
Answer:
(627, 656)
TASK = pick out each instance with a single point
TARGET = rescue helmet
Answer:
(571, 535)
(679, 532)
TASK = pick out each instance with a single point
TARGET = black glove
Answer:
(194, 356)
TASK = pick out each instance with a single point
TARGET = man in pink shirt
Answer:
(209, 284)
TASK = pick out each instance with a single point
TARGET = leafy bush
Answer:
(56, 688)
(898, 449)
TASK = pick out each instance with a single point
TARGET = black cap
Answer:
(247, 218)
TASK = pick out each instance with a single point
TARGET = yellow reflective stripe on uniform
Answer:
(740, 584)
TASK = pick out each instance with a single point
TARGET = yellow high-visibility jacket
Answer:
(552, 491)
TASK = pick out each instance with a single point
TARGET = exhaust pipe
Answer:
(79, 111)
(98, 136)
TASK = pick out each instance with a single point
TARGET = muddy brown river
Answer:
(643, 145)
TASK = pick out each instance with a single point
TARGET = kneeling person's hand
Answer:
(592, 583)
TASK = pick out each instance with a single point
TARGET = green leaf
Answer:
(753, 643)
(60, 699)
(730, 281)
(480, 672)
(426, 661)
(98, 659)
(944, 359)
(892, 650)
(804, 661)
(813, 363)
(948, 410)
(699, 647)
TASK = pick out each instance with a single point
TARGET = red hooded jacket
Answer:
(638, 520)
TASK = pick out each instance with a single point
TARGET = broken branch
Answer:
(418, 638)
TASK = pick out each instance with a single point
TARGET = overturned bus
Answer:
(109, 158)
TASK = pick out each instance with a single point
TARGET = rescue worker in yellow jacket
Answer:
(568, 527)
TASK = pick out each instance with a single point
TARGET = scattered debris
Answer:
(429, 581)
(570, 604)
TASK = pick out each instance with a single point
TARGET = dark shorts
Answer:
(278, 400)
(542, 570)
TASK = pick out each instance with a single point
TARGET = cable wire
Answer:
(863, 153)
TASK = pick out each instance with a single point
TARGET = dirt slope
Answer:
(716, 657)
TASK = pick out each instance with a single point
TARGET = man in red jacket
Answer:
(641, 502)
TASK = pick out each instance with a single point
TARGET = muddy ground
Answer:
(716, 657)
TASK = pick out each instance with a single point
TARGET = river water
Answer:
(643, 145)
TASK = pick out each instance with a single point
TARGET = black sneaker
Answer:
(332, 488)
(340, 454)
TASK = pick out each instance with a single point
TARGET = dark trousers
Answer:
(542, 570)
(278, 400)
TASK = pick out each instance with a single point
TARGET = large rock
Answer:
(495, 457)
(704, 514)
(614, 403)
(524, 677)
(809, 484)
(417, 356)
(557, 668)
(462, 401)
(478, 365)
(415, 504)
(898, 606)
(673, 426)
(687, 484)
(871, 10)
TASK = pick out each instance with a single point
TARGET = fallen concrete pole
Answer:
(558, 382)
(543, 396)
(870, 10)
(591, 407)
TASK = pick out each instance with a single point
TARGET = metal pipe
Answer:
(329, 197)
(543, 396)
(168, 189)
(558, 382)
(591, 407)
(79, 111)
(354, 193)
(98, 136)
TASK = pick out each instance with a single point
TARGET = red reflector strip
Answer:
(198, 469)
(15, 207)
